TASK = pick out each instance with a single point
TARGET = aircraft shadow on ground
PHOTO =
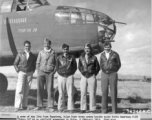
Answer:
(7, 99)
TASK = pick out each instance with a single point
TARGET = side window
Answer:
(6, 6)
(21, 7)
(83, 17)
(96, 18)
(89, 18)
(76, 18)
(62, 17)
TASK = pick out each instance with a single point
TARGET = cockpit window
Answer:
(76, 18)
(62, 17)
(89, 18)
(73, 9)
(23, 5)
(76, 15)
(96, 18)
(6, 6)
(36, 3)
(69, 15)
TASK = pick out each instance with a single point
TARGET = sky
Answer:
(132, 41)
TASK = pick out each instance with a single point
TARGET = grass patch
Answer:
(135, 98)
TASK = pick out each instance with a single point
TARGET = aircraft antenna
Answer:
(120, 22)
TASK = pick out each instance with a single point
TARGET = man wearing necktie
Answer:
(89, 67)
(109, 64)
(25, 66)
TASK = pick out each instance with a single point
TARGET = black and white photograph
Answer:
(86, 57)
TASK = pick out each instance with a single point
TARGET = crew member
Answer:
(66, 67)
(109, 64)
(45, 65)
(89, 67)
(25, 66)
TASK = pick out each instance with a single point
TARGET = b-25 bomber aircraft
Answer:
(34, 20)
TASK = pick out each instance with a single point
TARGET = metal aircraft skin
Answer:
(34, 20)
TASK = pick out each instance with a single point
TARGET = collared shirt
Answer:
(49, 50)
(27, 54)
(66, 56)
(107, 54)
(87, 58)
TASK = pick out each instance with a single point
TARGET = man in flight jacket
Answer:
(89, 67)
(66, 66)
(25, 66)
(109, 64)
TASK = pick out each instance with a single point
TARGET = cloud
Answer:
(134, 50)
(86, 4)
(132, 36)
(135, 13)
(137, 69)
(133, 43)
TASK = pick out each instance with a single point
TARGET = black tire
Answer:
(3, 83)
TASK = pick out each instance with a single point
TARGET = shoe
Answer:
(82, 111)
(71, 111)
(51, 110)
(93, 111)
(104, 112)
(38, 108)
(24, 108)
(17, 109)
(62, 110)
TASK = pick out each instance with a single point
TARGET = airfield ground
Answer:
(133, 97)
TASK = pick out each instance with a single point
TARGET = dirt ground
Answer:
(133, 97)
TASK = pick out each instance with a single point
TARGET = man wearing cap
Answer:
(109, 64)
(89, 67)
(25, 66)
(45, 65)
(66, 67)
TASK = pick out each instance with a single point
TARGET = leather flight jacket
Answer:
(22, 64)
(46, 61)
(111, 65)
(90, 68)
(66, 66)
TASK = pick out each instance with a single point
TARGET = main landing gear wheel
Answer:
(3, 83)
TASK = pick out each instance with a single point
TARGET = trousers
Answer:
(45, 79)
(109, 79)
(22, 89)
(91, 82)
(65, 84)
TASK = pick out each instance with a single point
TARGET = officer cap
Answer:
(87, 45)
(65, 46)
